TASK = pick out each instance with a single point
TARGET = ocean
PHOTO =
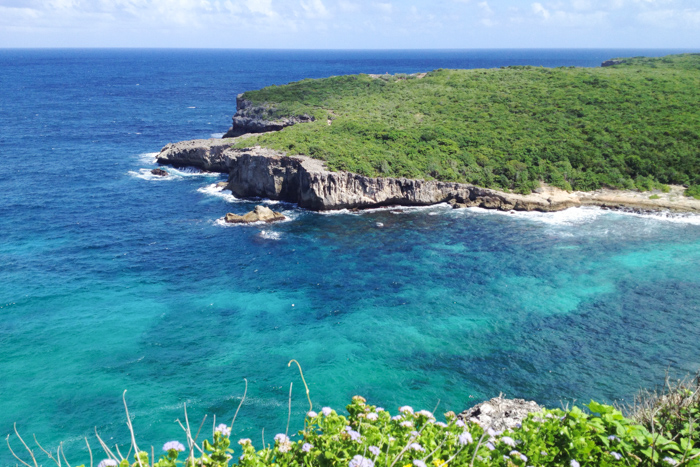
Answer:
(115, 280)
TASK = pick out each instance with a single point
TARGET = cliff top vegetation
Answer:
(635, 125)
(661, 432)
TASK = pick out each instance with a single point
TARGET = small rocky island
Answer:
(160, 172)
(259, 214)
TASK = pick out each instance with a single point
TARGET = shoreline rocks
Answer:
(160, 172)
(500, 414)
(265, 173)
(259, 214)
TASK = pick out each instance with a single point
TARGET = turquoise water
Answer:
(113, 279)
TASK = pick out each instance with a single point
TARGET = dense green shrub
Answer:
(666, 434)
(633, 126)
(693, 191)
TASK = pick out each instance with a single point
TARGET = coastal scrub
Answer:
(370, 436)
(635, 125)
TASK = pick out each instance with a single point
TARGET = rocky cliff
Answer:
(251, 118)
(259, 172)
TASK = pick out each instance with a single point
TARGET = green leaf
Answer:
(595, 407)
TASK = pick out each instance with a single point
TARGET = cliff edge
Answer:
(251, 118)
(265, 173)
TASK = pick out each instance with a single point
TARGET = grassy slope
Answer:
(631, 125)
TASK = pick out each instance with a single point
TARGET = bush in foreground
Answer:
(661, 430)
(664, 433)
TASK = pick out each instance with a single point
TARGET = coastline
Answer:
(265, 173)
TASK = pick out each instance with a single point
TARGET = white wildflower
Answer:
(510, 441)
(416, 447)
(374, 450)
(307, 447)
(441, 424)
(397, 417)
(406, 424)
(372, 416)
(108, 463)
(616, 455)
(574, 463)
(244, 441)
(670, 461)
(419, 463)
(460, 423)
(326, 411)
(223, 429)
(359, 461)
(465, 438)
(312, 414)
(284, 446)
(354, 435)
(425, 413)
(281, 438)
(406, 408)
(173, 445)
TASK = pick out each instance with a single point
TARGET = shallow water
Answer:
(113, 279)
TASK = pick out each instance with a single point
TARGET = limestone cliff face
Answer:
(206, 154)
(251, 119)
(259, 172)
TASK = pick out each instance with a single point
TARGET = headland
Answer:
(519, 138)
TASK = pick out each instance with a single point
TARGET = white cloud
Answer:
(263, 7)
(348, 7)
(540, 10)
(581, 5)
(314, 8)
(384, 7)
(485, 8)
(670, 18)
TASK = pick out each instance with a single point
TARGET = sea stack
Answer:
(259, 214)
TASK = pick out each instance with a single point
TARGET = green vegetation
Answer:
(662, 430)
(693, 191)
(634, 126)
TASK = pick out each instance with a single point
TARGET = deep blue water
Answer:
(114, 280)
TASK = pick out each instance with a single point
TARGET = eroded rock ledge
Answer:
(264, 173)
(251, 118)
(260, 172)
(499, 413)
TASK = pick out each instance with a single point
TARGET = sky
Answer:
(351, 24)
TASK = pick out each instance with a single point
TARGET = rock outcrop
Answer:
(259, 214)
(265, 173)
(612, 62)
(250, 118)
(160, 172)
(499, 413)
(206, 154)
(260, 172)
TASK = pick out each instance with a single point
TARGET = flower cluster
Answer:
(370, 436)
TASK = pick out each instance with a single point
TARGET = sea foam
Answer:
(219, 192)
(148, 157)
(145, 174)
